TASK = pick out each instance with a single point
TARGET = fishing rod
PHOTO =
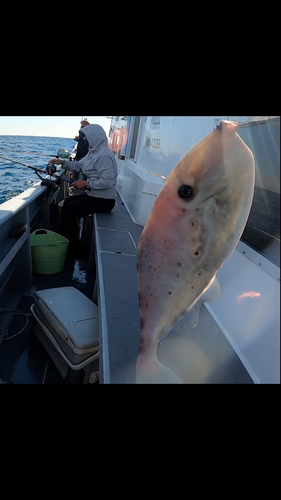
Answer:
(51, 170)
(24, 164)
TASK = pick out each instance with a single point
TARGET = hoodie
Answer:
(99, 165)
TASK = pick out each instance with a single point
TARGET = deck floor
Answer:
(23, 360)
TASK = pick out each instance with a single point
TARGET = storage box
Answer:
(67, 325)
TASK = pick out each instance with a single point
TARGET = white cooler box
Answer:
(67, 325)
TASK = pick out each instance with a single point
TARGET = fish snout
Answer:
(227, 126)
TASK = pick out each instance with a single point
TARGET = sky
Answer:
(49, 126)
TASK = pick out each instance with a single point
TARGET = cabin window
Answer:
(133, 132)
(262, 231)
(155, 123)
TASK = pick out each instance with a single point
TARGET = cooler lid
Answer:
(75, 313)
(85, 327)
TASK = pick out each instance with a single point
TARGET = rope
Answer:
(15, 311)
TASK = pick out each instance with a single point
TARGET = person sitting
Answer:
(100, 168)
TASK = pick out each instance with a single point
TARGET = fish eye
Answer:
(185, 191)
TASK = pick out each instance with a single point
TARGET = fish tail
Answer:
(150, 371)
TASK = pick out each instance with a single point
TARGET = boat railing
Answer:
(17, 217)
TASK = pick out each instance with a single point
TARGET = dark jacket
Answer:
(82, 147)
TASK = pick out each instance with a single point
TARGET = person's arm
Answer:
(68, 165)
(76, 166)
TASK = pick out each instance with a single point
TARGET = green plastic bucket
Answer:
(48, 251)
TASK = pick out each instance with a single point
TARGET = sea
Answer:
(14, 178)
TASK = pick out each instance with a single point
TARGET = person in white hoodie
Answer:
(100, 168)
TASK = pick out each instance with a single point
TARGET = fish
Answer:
(195, 224)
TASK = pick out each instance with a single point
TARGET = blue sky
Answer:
(49, 126)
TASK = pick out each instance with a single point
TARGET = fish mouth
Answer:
(215, 194)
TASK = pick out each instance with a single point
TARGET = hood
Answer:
(96, 136)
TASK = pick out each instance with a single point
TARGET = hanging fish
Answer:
(195, 224)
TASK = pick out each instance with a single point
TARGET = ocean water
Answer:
(14, 179)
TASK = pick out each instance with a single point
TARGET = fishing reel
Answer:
(49, 183)
(51, 169)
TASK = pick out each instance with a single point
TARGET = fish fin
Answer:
(191, 318)
(150, 371)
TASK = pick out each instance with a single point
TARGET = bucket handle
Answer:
(41, 231)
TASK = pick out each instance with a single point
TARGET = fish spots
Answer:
(179, 264)
(142, 344)
(177, 275)
(192, 223)
(170, 293)
(184, 210)
(196, 253)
